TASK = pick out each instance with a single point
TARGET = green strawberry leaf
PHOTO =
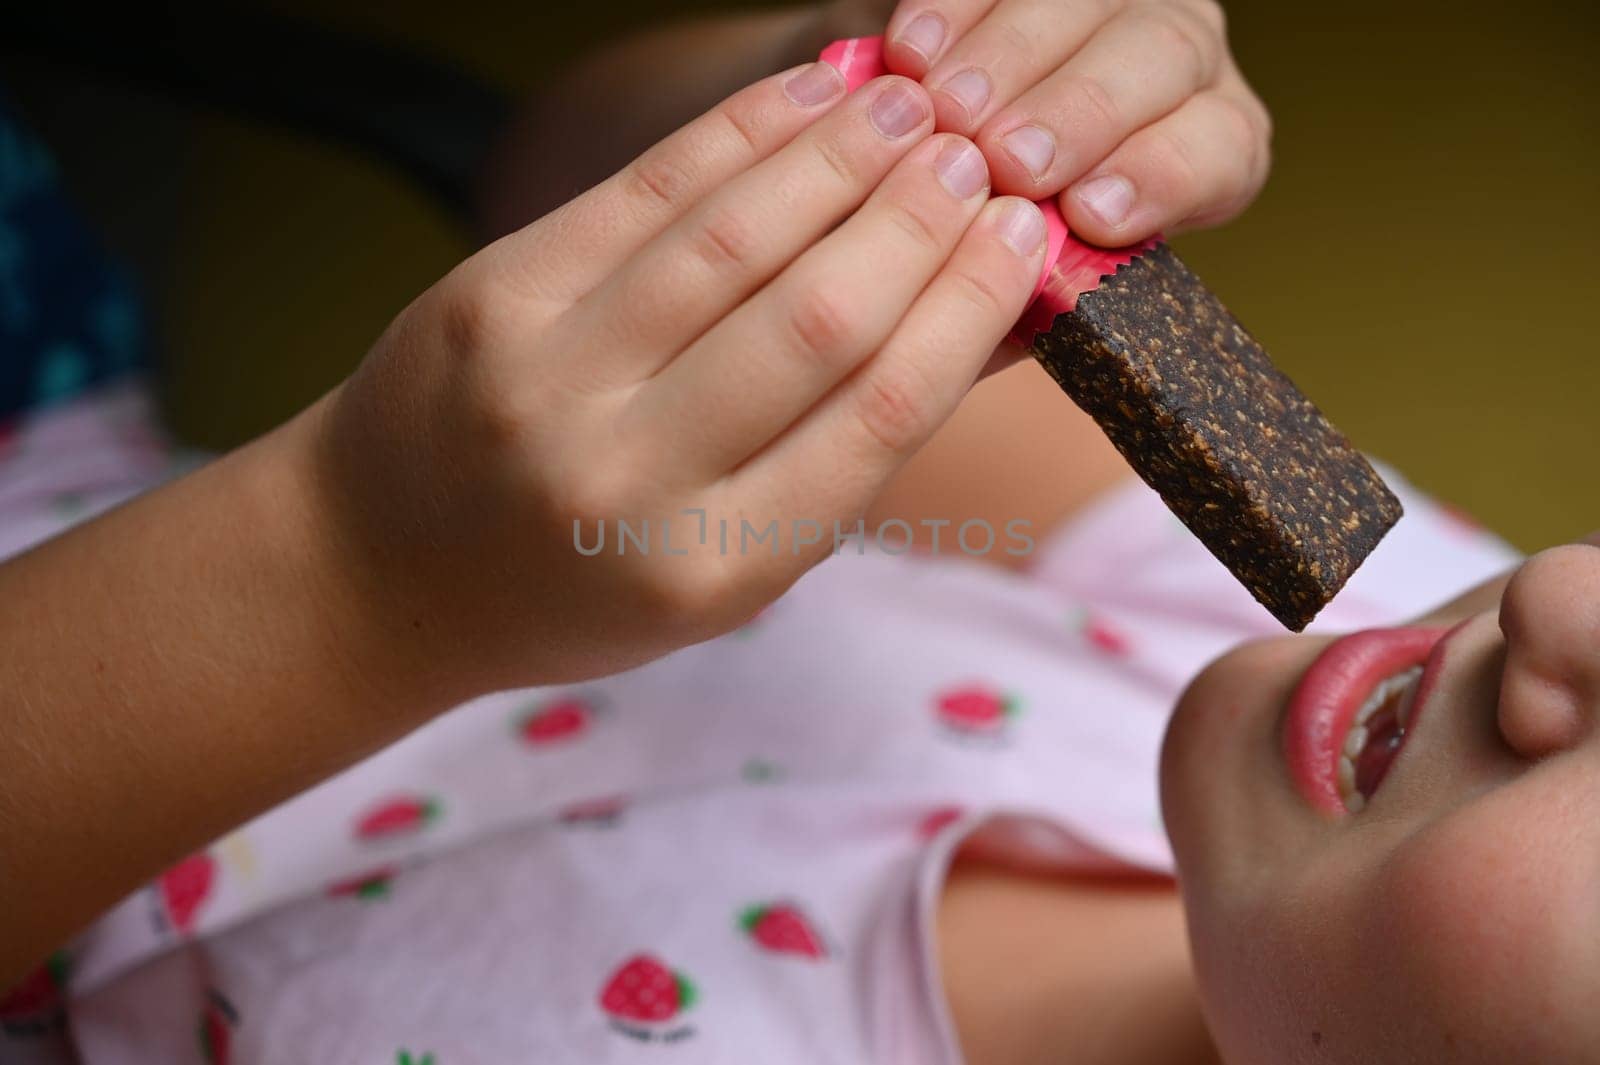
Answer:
(751, 916)
(686, 991)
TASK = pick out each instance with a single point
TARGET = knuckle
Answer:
(979, 293)
(1173, 32)
(724, 238)
(741, 121)
(688, 593)
(1098, 101)
(659, 179)
(894, 410)
(1212, 13)
(821, 324)
(590, 493)
(1240, 131)
(473, 314)
(912, 220)
(1173, 157)
(1017, 41)
(837, 158)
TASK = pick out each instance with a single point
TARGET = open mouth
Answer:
(1375, 737)
(1351, 712)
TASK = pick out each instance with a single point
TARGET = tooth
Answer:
(1347, 774)
(1355, 741)
(1355, 803)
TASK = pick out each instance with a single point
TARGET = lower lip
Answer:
(1325, 703)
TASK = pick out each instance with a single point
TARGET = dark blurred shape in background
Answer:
(1422, 262)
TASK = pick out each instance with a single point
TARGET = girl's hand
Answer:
(759, 319)
(1132, 110)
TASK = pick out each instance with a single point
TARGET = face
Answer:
(1436, 897)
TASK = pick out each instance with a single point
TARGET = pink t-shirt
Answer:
(728, 855)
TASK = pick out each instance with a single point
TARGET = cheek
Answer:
(1487, 920)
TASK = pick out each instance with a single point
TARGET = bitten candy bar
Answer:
(1252, 467)
(1196, 407)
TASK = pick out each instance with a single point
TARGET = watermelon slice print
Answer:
(976, 710)
(34, 1006)
(215, 1030)
(562, 720)
(403, 815)
(782, 928)
(643, 997)
(184, 890)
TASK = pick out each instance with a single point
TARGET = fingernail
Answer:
(816, 84)
(897, 111)
(1031, 146)
(1022, 227)
(961, 169)
(970, 89)
(923, 35)
(1108, 198)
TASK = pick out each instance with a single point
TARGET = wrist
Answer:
(372, 649)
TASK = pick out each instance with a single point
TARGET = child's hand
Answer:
(1134, 107)
(690, 334)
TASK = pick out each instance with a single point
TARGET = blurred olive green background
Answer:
(1422, 261)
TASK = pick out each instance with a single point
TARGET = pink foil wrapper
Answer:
(1071, 267)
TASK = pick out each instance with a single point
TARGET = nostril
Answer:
(1538, 716)
(1550, 615)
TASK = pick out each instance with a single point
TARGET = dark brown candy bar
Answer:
(1252, 467)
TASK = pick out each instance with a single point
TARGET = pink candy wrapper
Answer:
(1071, 267)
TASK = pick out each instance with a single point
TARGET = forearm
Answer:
(171, 668)
(607, 107)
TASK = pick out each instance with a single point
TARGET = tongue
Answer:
(1384, 737)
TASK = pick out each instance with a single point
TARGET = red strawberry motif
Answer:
(782, 929)
(976, 709)
(565, 719)
(215, 1030)
(185, 889)
(645, 990)
(1106, 637)
(398, 817)
(34, 1004)
(370, 885)
(937, 821)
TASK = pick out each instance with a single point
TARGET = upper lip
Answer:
(1325, 702)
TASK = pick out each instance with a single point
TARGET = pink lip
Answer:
(1333, 689)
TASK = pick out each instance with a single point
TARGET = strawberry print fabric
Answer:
(732, 854)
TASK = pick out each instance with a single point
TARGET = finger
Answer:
(571, 250)
(1017, 44)
(837, 459)
(1200, 165)
(760, 368)
(735, 240)
(920, 31)
(1141, 65)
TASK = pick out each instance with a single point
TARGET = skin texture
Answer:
(389, 540)
(407, 542)
(1132, 91)
(1141, 91)
(1453, 918)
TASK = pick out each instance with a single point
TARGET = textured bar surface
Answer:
(1252, 467)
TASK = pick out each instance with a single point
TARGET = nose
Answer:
(1550, 615)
